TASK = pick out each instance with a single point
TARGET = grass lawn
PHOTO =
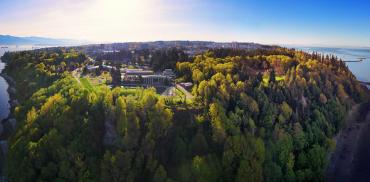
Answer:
(94, 83)
(99, 80)
(180, 97)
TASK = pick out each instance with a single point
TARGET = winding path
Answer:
(76, 75)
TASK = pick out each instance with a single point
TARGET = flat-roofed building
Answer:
(146, 77)
(154, 79)
(138, 72)
(91, 67)
(134, 75)
(107, 67)
(168, 73)
(187, 85)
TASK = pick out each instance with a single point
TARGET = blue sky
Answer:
(314, 22)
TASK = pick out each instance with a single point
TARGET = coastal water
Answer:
(4, 96)
(360, 69)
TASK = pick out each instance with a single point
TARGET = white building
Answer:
(146, 77)
(154, 79)
(168, 73)
(132, 75)
(91, 67)
(106, 67)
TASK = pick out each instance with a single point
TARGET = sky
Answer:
(297, 22)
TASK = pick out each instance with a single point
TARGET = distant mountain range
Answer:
(13, 40)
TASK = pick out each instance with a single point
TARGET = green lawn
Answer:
(179, 99)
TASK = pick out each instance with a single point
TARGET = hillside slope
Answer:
(261, 115)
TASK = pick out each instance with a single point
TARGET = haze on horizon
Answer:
(329, 22)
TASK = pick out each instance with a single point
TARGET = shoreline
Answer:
(11, 92)
(8, 124)
(13, 102)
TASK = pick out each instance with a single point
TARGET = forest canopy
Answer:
(262, 115)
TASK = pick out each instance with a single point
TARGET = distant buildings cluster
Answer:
(190, 47)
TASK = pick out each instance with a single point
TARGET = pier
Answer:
(359, 60)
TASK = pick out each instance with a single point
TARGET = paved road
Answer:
(182, 89)
(170, 91)
(76, 74)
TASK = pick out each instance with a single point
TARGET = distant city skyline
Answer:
(286, 22)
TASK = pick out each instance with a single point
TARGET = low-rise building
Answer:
(186, 85)
(108, 68)
(146, 77)
(134, 75)
(169, 73)
(92, 67)
(154, 79)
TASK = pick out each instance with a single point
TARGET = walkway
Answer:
(76, 75)
(170, 91)
(183, 90)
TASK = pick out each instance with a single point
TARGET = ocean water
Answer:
(4, 96)
(360, 69)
